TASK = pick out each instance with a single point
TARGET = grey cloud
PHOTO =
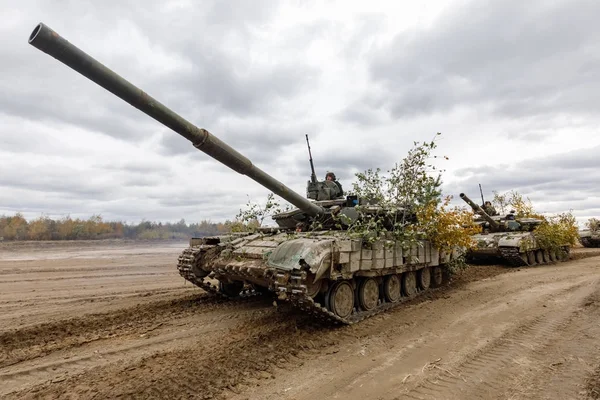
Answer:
(87, 182)
(141, 181)
(171, 206)
(123, 205)
(346, 162)
(136, 166)
(558, 182)
(216, 81)
(361, 114)
(260, 141)
(519, 59)
(60, 180)
(194, 202)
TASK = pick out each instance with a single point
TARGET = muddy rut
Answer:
(495, 332)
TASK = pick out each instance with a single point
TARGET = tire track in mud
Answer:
(592, 388)
(23, 344)
(562, 369)
(92, 297)
(88, 276)
(498, 367)
(29, 270)
(126, 352)
(246, 354)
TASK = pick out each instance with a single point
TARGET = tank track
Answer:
(512, 256)
(185, 265)
(295, 291)
(590, 243)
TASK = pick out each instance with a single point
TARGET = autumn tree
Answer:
(40, 229)
(15, 228)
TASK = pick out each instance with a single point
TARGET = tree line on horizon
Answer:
(96, 228)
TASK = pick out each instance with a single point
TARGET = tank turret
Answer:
(493, 224)
(48, 41)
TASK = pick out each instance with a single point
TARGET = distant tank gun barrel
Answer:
(480, 210)
(51, 43)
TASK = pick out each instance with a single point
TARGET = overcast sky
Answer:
(513, 86)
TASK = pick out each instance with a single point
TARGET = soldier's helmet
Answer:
(330, 174)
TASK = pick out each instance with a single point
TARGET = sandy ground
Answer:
(108, 320)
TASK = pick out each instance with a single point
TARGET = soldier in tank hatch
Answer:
(489, 208)
(330, 176)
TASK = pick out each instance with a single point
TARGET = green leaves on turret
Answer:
(553, 233)
(406, 205)
(593, 224)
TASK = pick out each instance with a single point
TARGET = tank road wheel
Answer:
(231, 289)
(553, 255)
(424, 278)
(199, 272)
(409, 283)
(341, 299)
(546, 256)
(563, 254)
(437, 276)
(261, 289)
(530, 258)
(313, 288)
(368, 294)
(539, 256)
(391, 288)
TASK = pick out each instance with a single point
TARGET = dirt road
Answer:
(117, 321)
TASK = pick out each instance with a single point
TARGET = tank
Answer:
(326, 273)
(589, 237)
(509, 240)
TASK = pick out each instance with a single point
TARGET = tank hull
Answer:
(327, 274)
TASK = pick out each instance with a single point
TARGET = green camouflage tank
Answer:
(509, 240)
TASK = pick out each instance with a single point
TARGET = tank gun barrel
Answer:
(51, 43)
(480, 210)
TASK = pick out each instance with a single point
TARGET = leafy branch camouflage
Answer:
(554, 231)
(409, 204)
(254, 214)
(593, 224)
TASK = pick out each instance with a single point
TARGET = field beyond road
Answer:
(114, 319)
